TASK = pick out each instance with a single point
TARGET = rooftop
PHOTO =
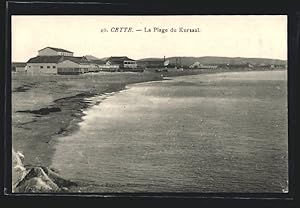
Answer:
(57, 49)
(99, 61)
(57, 59)
(45, 59)
(75, 59)
(91, 58)
(119, 59)
(19, 64)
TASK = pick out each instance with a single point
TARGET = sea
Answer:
(207, 133)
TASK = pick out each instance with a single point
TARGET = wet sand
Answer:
(46, 106)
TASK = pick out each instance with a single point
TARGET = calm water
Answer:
(203, 133)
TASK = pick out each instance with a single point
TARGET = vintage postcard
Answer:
(149, 104)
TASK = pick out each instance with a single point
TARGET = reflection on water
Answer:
(205, 133)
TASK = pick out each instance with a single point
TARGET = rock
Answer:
(18, 169)
(20, 154)
(36, 180)
(37, 185)
(57, 179)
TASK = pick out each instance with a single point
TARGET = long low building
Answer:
(58, 65)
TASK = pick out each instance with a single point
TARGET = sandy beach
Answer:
(45, 107)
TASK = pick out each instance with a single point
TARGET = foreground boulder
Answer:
(36, 180)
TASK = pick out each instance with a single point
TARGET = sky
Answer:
(257, 36)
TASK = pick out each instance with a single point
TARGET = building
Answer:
(101, 65)
(151, 63)
(198, 65)
(43, 64)
(123, 62)
(50, 51)
(19, 67)
(52, 60)
(73, 65)
(95, 63)
(58, 61)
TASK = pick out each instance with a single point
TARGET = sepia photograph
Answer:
(149, 104)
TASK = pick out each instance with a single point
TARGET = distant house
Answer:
(250, 65)
(151, 63)
(262, 65)
(195, 65)
(102, 66)
(198, 65)
(19, 67)
(73, 65)
(93, 63)
(50, 51)
(123, 62)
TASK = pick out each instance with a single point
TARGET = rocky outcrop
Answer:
(37, 179)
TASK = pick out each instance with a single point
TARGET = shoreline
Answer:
(59, 117)
(58, 123)
(52, 124)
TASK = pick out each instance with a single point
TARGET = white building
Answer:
(58, 61)
(198, 65)
(122, 61)
(43, 64)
